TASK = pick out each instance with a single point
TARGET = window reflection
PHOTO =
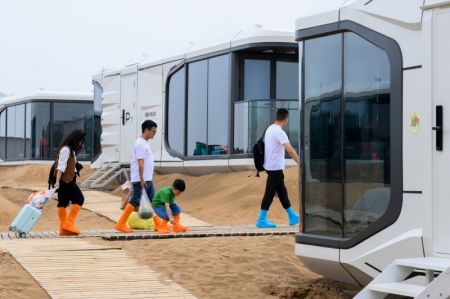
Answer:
(176, 109)
(38, 130)
(16, 132)
(323, 189)
(79, 116)
(3, 134)
(98, 93)
(218, 105)
(343, 201)
(367, 137)
(256, 79)
(197, 108)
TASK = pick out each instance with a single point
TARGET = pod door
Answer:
(128, 95)
(441, 145)
(348, 140)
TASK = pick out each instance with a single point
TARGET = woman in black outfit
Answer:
(68, 191)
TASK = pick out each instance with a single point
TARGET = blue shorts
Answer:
(162, 213)
(137, 192)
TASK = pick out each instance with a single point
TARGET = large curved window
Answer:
(30, 131)
(3, 134)
(347, 134)
(176, 109)
(208, 102)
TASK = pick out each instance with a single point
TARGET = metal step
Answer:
(429, 263)
(398, 288)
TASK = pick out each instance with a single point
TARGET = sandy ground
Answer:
(234, 267)
(17, 283)
(230, 267)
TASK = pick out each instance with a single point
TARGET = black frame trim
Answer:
(172, 71)
(412, 192)
(393, 51)
(412, 67)
(373, 267)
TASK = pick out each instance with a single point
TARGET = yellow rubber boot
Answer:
(69, 224)
(177, 227)
(122, 223)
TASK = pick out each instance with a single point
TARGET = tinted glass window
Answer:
(16, 133)
(293, 126)
(197, 108)
(367, 137)
(287, 80)
(218, 105)
(250, 121)
(68, 117)
(3, 134)
(38, 130)
(256, 79)
(176, 111)
(346, 191)
(323, 186)
(98, 93)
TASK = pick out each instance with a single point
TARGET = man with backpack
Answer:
(276, 142)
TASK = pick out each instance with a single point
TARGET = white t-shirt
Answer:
(274, 150)
(142, 150)
(64, 155)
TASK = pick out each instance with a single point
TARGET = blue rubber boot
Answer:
(293, 217)
(263, 222)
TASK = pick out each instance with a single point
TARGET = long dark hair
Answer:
(73, 141)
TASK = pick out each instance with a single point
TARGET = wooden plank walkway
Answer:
(71, 268)
(193, 232)
(108, 205)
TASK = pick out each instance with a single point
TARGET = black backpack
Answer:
(258, 154)
(52, 177)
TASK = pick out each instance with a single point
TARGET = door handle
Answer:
(123, 117)
(439, 128)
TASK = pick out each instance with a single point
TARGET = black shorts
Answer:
(69, 192)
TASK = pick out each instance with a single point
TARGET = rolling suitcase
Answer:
(28, 216)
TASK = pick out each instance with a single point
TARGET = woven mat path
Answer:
(193, 232)
(74, 268)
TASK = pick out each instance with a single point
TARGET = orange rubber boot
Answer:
(177, 227)
(69, 225)
(156, 221)
(62, 215)
(122, 223)
(162, 226)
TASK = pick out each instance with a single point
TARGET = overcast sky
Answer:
(60, 44)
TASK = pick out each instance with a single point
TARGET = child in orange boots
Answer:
(166, 209)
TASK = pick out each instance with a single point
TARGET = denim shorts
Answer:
(137, 192)
(162, 213)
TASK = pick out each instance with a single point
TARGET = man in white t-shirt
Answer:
(141, 172)
(276, 142)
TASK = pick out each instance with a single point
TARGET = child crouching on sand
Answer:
(166, 209)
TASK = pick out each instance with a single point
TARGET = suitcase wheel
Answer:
(22, 235)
